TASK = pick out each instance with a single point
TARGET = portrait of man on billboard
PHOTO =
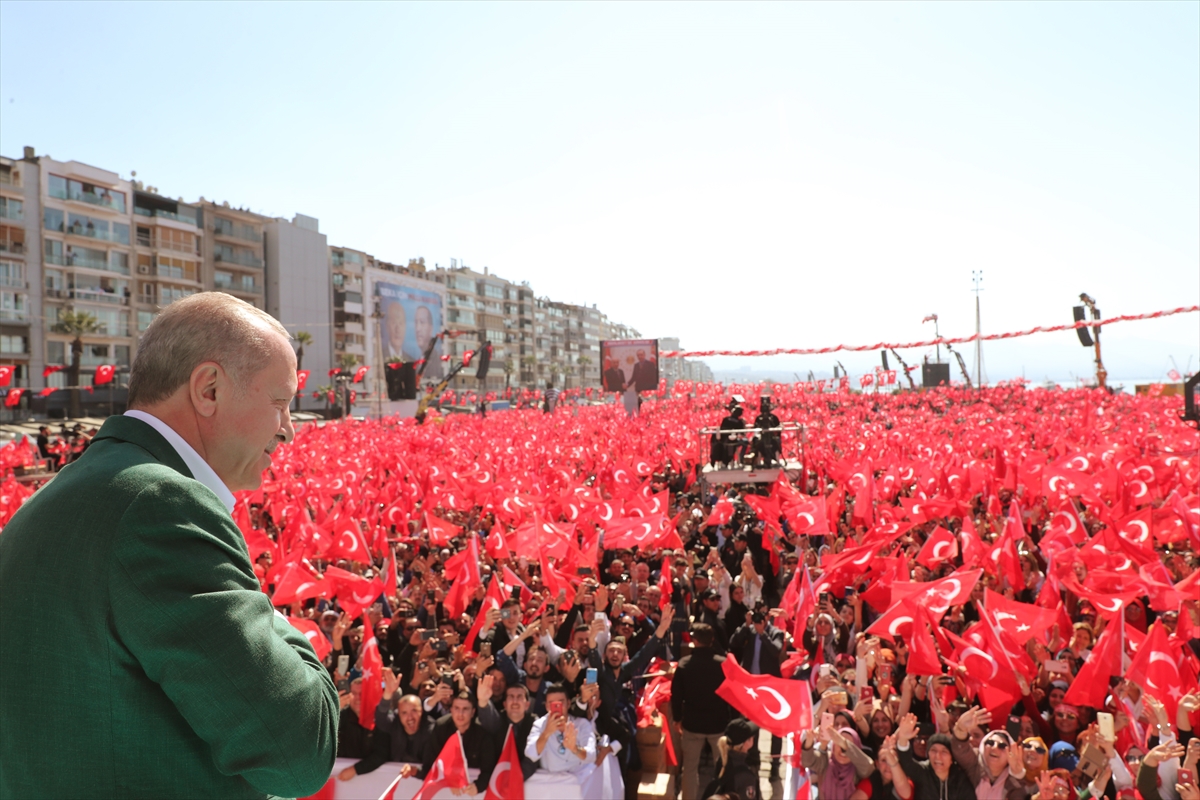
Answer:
(424, 331)
(411, 320)
(629, 363)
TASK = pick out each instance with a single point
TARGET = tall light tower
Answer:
(977, 279)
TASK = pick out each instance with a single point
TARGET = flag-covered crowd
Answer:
(987, 594)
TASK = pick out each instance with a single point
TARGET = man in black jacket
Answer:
(516, 716)
(700, 715)
(477, 743)
(401, 732)
(708, 612)
(758, 646)
(938, 777)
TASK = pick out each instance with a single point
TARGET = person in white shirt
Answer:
(560, 742)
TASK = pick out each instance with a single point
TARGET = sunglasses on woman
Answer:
(1036, 748)
(997, 744)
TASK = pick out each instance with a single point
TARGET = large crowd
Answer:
(988, 594)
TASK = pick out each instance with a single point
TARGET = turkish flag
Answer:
(49, 390)
(46, 373)
(939, 596)
(923, 657)
(497, 546)
(462, 570)
(721, 514)
(372, 678)
(357, 596)
(666, 586)
(13, 397)
(507, 783)
(1090, 687)
(348, 542)
(334, 371)
(809, 516)
(774, 704)
(941, 546)
(440, 531)
(295, 584)
(6, 374)
(314, 635)
(104, 374)
(302, 378)
(646, 533)
(449, 771)
(973, 549)
(1160, 669)
(1021, 621)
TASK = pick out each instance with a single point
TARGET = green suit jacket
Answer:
(138, 656)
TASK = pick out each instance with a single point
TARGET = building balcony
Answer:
(96, 296)
(188, 217)
(243, 259)
(353, 327)
(95, 235)
(13, 283)
(103, 200)
(231, 231)
(13, 315)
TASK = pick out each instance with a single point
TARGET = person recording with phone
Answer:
(758, 647)
(515, 715)
(560, 741)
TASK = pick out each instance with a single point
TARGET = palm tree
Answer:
(302, 338)
(325, 391)
(583, 362)
(529, 362)
(508, 371)
(77, 324)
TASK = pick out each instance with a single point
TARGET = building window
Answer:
(12, 344)
(121, 355)
(223, 280)
(53, 219)
(248, 283)
(12, 209)
(144, 319)
(12, 273)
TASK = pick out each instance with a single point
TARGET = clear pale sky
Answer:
(737, 175)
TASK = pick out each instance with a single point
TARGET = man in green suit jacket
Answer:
(138, 656)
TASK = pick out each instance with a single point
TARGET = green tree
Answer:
(302, 338)
(583, 362)
(509, 366)
(77, 324)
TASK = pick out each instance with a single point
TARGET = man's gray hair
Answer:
(209, 326)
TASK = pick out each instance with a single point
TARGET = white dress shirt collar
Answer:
(200, 469)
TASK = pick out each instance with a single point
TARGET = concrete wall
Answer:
(300, 295)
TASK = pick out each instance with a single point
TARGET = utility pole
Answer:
(977, 279)
(1101, 373)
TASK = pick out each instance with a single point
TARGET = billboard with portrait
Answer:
(629, 362)
(410, 317)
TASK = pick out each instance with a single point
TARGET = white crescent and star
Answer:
(976, 651)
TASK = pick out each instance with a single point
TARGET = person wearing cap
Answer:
(736, 773)
(1063, 756)
(708, 611)
(769, 442)
(996, 767)
(938, 777)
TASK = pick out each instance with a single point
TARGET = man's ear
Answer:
(203, 385)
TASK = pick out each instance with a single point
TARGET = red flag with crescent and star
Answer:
(773, 704)
(507, 783)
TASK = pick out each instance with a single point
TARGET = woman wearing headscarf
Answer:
(836, 761)
(996, 767)
(1035, 757)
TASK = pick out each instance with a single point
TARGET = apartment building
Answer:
(15, 318)
(680, 369)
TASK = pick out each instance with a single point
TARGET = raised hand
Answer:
(391, 682)
(569, 735)
(907, 729)
(483, 690)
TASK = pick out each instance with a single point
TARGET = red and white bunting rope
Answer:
(809, 351)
